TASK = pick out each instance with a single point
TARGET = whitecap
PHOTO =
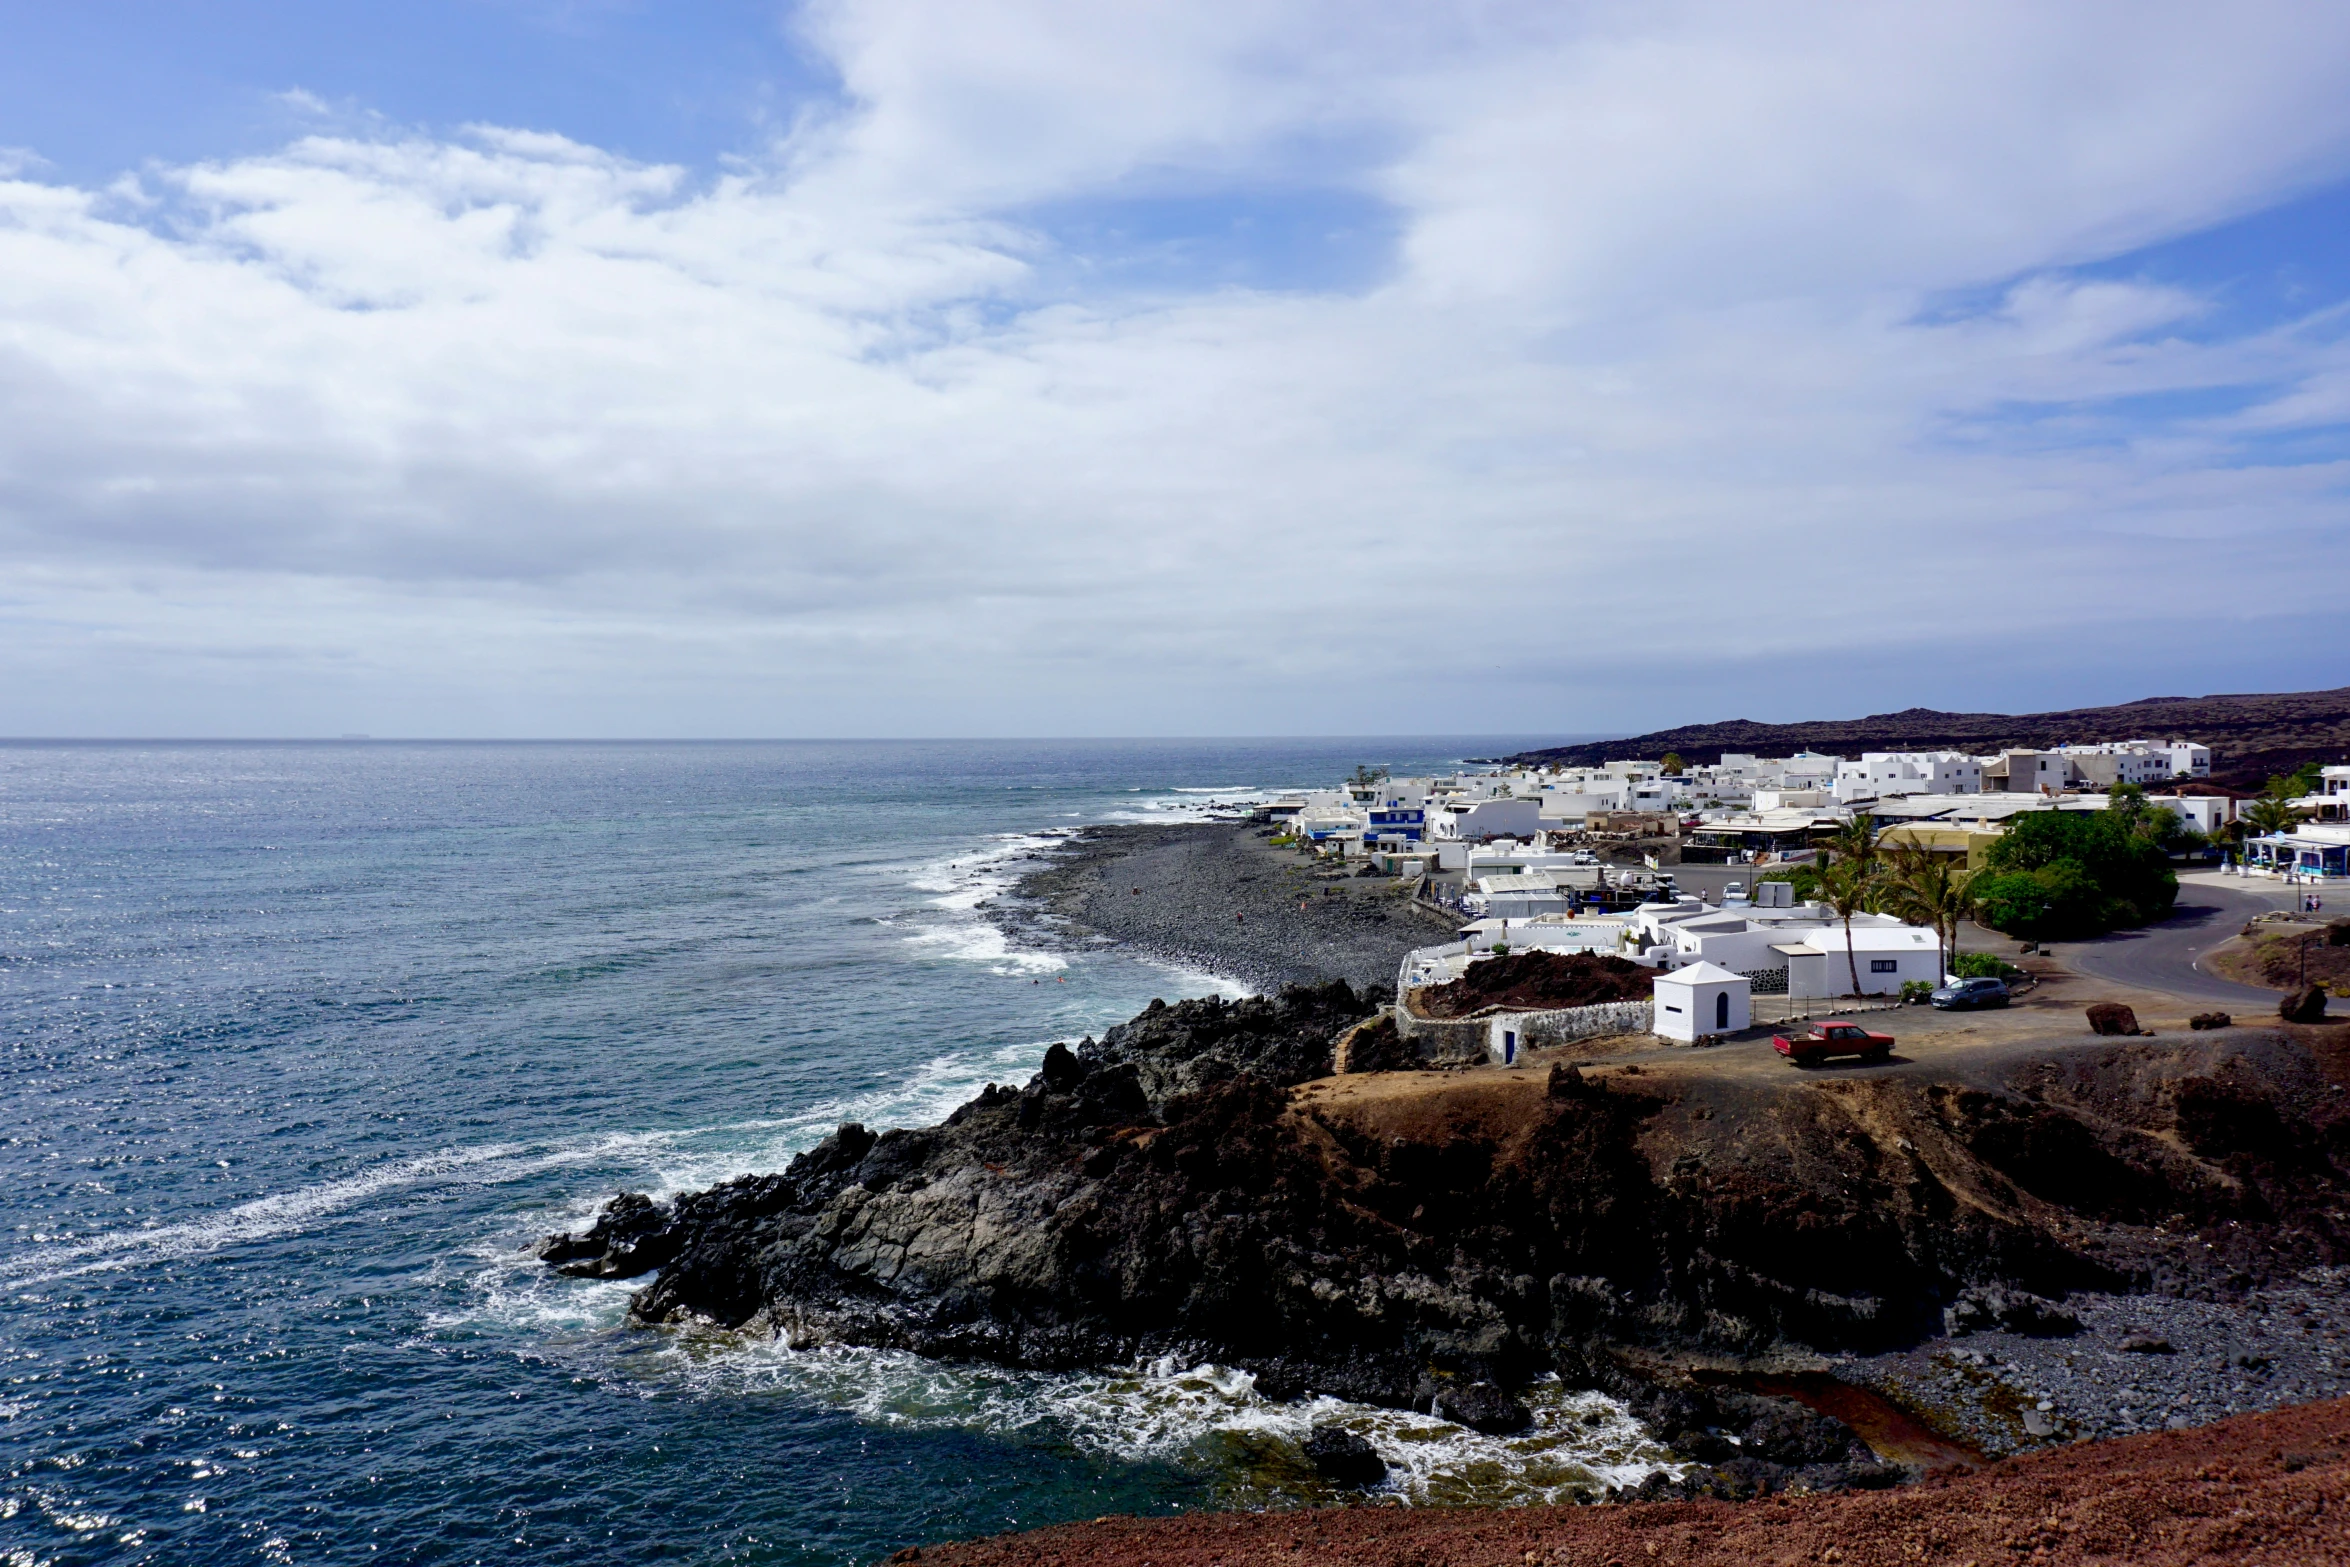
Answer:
(284, 1213)
(1206, 1418)
(963, 882)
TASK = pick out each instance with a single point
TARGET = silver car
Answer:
(1971, 993)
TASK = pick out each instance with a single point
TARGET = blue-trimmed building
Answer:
(2313, 849)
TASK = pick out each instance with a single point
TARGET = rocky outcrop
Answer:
(2111, 1017)
(1435, 1240)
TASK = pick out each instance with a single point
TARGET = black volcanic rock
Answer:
(1481, 1407)
(1442, 1240)
(1983, 1309)
(1344, 1458)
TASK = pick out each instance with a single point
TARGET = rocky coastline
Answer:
(1217, 898)
(2258, 1489)
(1798, 1282)
(1194, 1184)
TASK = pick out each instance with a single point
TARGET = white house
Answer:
(2207, 814)
(1518, 897)
(1487, 819)
(1880, 773)
(2027, 772)
(1888, 956)
(1701, 999)
(2332, 800)
(2119, 762)
(2188, 760)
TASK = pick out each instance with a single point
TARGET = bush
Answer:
(1806, 879)
(1915, 990)
(2062, 875)
(1984, 965)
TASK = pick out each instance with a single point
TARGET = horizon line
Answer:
(358, 739)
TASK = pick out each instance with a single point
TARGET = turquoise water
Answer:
(304, 1043)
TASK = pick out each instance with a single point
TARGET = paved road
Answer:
(2162, 957)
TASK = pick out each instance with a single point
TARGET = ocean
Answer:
(307, 1043)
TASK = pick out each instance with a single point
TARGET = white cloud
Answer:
(508, 434)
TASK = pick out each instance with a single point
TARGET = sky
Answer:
(533, 368)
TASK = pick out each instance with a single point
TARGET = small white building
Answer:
(1487, 819)
(1518, 897)
(2206, 814)
(1886, 956)
(2332, 800)
(1701, 999)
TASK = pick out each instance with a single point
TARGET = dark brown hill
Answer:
(1536, 980)
(2252, 736)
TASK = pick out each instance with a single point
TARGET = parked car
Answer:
(1961, 994)
(1833, 1038)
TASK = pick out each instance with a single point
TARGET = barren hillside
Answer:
(2253, 735)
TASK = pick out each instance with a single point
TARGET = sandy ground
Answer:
(2271, 1488)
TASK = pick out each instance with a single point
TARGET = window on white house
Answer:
(1884, 965)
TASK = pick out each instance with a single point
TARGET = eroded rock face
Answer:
(1985, 1307)
(1165, 1190)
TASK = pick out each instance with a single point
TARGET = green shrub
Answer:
(1984, 965)
(1914, 990)
(2063, 875)
(1805, 877)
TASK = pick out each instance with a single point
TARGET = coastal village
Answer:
(1532, 859)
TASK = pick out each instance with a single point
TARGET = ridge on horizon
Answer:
(2253, 735)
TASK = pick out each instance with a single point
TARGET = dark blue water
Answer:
(305, 1043)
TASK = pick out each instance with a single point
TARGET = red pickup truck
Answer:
(1833, 1038)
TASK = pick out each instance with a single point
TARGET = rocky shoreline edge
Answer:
(1216, 898)
(1798, 1282)
(2267, 1488)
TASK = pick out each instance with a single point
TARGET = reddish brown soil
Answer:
(2280, 961)
(2272, 1488)
(1532, 981)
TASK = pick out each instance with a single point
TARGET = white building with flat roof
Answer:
(1886, 957)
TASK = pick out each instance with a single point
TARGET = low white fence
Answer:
(1567, 1024)
(1503, 1036)
(1802, 1009)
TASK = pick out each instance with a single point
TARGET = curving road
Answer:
(2163, 957)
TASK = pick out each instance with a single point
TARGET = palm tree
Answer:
(2270, 814)
(1855, 840)
(1848, 877)
(1930, 889)
(1846, 886)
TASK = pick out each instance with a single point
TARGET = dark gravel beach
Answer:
(1218, 897)
(2140, 1363)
